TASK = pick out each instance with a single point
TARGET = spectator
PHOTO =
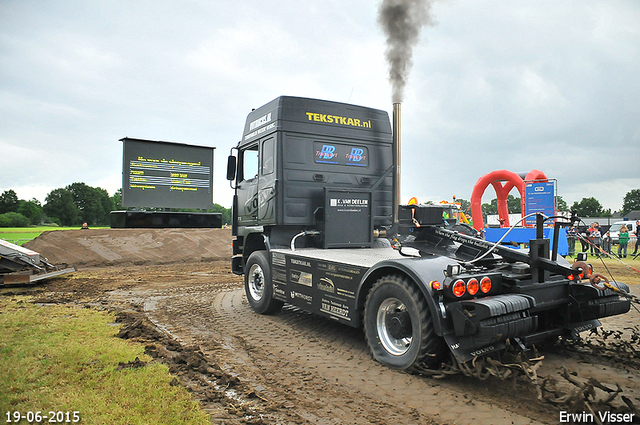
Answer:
(623, 238)
(584, 240)
(606, 243)
(572, 235)
(596, 239)
(85, 226)
(635, 250)
(590, 231)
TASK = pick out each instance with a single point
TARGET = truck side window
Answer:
(250, 163)
(268, 156)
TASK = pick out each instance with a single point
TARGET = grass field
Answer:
(66, 363)
(20, 235)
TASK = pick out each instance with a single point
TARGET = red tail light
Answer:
(485, 284)
(459, 288)
(473, 286)
(435, 285)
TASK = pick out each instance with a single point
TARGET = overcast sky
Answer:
(517, 85)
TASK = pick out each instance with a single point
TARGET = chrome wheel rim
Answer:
(393, 324)
(256, 282)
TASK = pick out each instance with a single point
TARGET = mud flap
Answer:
(236, 265)
(575, 328)
(465, 354)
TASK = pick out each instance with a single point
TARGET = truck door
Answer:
(267, 182)
(247, 186)
(256, 184)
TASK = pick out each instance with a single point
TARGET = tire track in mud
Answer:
(315, 368)
(303, 397)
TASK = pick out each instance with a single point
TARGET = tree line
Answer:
(80, 203)
(71, 206)
(587, 207)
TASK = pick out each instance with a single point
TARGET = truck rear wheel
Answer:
(258, 286)
(398, 325)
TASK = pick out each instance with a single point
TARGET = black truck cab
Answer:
(301, 158)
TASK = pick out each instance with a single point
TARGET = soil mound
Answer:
(107, 247)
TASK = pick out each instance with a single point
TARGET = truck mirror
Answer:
(231, 167)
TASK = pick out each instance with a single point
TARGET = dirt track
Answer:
(111, 247)
(175, 293)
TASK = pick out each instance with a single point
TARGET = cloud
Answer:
(513, 85)
(522, 88)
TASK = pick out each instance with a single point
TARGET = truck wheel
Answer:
(258, 286)
(398, 325)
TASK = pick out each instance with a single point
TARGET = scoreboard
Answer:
(166, 174)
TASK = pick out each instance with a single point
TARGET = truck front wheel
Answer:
(258, 286)
(398, 325)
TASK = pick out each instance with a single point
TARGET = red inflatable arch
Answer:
(502, 181)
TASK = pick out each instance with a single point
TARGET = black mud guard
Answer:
(421, 271)
(590, 302)
(471, 316)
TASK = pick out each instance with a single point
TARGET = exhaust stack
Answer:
(396, 160)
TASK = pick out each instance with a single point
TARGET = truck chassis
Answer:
(407, 306)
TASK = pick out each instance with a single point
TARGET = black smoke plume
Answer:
(401, 21)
